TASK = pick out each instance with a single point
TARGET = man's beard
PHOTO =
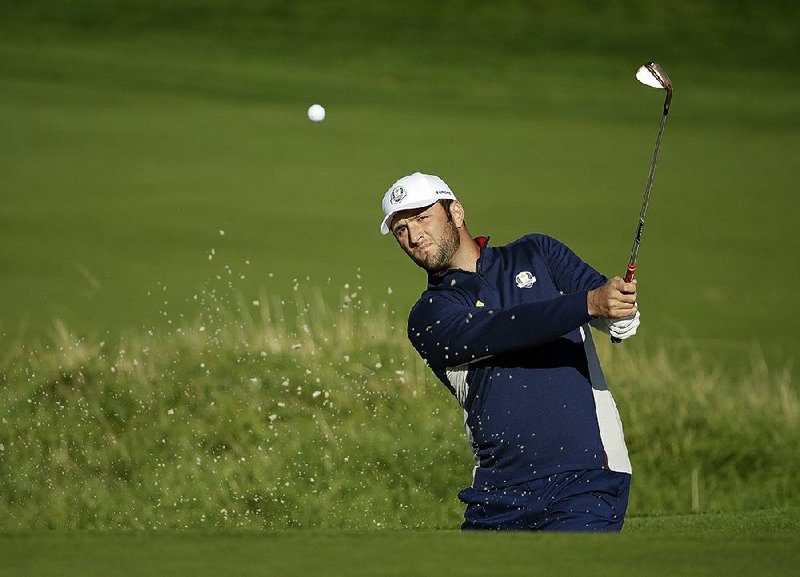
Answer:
(445, 248)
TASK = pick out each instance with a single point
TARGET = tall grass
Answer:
(317, 414)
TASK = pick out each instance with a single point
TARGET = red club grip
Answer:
(628, 278)
(631, 271)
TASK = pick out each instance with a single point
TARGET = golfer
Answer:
(506, 330)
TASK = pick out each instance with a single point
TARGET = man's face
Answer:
(428, 235)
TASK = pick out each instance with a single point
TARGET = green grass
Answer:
(131, 138)
(134, 134)
(714, 549)
(243, 418)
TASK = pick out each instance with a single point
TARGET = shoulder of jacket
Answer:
(537, 241)
(536, 238)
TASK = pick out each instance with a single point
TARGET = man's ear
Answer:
(457, 213)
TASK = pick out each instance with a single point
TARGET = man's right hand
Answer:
(614, 300)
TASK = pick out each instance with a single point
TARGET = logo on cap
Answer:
(525, 279)
(398, 194)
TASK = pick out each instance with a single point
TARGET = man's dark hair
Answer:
(446, 206)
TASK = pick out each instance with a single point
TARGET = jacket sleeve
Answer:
(448, 333)
(568, 271)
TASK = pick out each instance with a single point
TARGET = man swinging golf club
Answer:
(506, 330)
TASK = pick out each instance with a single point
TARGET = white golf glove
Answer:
(620, 328)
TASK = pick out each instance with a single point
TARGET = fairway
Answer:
(754, 547)
(139, 167)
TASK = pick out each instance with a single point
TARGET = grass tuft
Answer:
(320, 415)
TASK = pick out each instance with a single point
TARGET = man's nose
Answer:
(414, 233)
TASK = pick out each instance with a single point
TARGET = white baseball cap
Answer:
(413, 191)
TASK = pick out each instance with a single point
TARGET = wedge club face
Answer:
(651, 74)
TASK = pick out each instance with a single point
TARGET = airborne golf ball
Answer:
(316, 113)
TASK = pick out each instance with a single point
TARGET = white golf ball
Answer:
(316, 113)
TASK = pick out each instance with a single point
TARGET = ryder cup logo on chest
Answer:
(398, 194)
(525, 279)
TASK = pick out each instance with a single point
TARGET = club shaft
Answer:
(637, 239)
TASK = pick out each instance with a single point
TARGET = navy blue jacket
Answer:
(510, 341)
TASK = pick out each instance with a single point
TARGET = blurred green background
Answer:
(148, 147)
(161, 184)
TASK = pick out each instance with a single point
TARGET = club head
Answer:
(651, 74)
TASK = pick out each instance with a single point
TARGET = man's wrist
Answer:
(590, 308)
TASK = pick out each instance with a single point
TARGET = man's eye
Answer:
(399, 230)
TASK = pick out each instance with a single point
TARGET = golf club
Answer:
(650, 74)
